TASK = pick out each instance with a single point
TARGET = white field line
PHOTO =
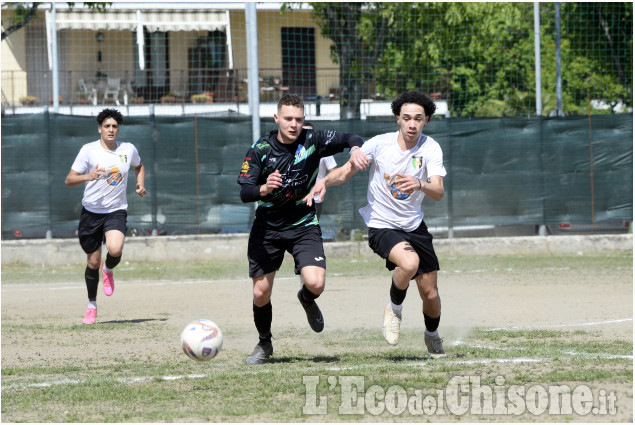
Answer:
(24, 287)
(60, 286)
(133, 380)
(570, 353)
(66, 381)
(603, 322)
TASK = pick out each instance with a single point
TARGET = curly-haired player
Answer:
(103, 168)
(406, 166)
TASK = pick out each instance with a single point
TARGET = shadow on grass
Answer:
(398, 358)
(119, 322)
(294, 359)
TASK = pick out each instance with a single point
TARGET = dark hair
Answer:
(291, 100)
(308, 124)
(110, 113)
(413, 97)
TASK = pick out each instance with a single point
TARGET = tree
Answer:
(357, 31)
(480, 56)
(23, 13)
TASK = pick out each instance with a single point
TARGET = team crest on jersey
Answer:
(417, 162)
(245, 167)
(114, 177)
(395, 192)
(123, 158)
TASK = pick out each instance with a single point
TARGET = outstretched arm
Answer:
(335, 177)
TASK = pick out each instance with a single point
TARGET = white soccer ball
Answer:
(201, 340)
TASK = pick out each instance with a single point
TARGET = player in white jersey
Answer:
(103, 167)
(406, 166)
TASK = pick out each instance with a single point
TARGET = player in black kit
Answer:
(278, 172)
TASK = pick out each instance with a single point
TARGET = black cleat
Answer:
(262, 351)
(313, 314)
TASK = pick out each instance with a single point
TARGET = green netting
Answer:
(501, 171)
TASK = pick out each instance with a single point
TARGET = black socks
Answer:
(262, 318)
(111, 262)
(92, 281)
(432, 324)
(307, 296)
(397, 295)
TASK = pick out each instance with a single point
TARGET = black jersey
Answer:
(298, 164)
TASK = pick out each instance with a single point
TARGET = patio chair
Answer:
(86, 92)
(113, 87)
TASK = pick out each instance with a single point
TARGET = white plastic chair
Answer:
(113, 88)
(89, 93)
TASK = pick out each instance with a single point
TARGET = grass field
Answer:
(517, 329)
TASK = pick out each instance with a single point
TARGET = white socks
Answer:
(396, 308)
(433, 334)
(92, 304)
(106, 269)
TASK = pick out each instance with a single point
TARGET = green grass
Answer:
(227, 390)
(163, 385)
(335, 266)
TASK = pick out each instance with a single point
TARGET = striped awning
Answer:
(152, 20)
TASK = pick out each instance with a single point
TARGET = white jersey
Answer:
(108, 193)
(327, 163)
(388, 207)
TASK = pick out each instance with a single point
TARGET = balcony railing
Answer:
(193, 85)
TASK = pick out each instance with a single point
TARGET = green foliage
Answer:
(480, 56)
(23, 13)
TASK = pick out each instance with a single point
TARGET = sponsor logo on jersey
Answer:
(302, 153)
(114, 177)
(395, 192)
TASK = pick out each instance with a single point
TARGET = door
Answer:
(154, 81)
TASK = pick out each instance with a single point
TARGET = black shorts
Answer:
(267, 247)
(93, 227)
(382, 241)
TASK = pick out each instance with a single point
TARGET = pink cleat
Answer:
(109, 281)
(90, 316)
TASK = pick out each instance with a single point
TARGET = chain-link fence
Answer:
(476, 59)
(492, 68)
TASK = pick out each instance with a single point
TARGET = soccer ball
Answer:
(201, 340)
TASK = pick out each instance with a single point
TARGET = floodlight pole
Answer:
(54, 62)
(537, 58)
(559, 110)
(252, 68)
(542, 228)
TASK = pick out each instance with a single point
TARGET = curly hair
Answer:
(291, 100)
(413, 97)
(110, 113)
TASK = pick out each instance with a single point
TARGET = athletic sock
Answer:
(92, 304)
(307, 295)
(262, 318)
(111, 262)
(92, 282)
(396, 308)
(432, 324)
(397, 295)
(434, 334)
